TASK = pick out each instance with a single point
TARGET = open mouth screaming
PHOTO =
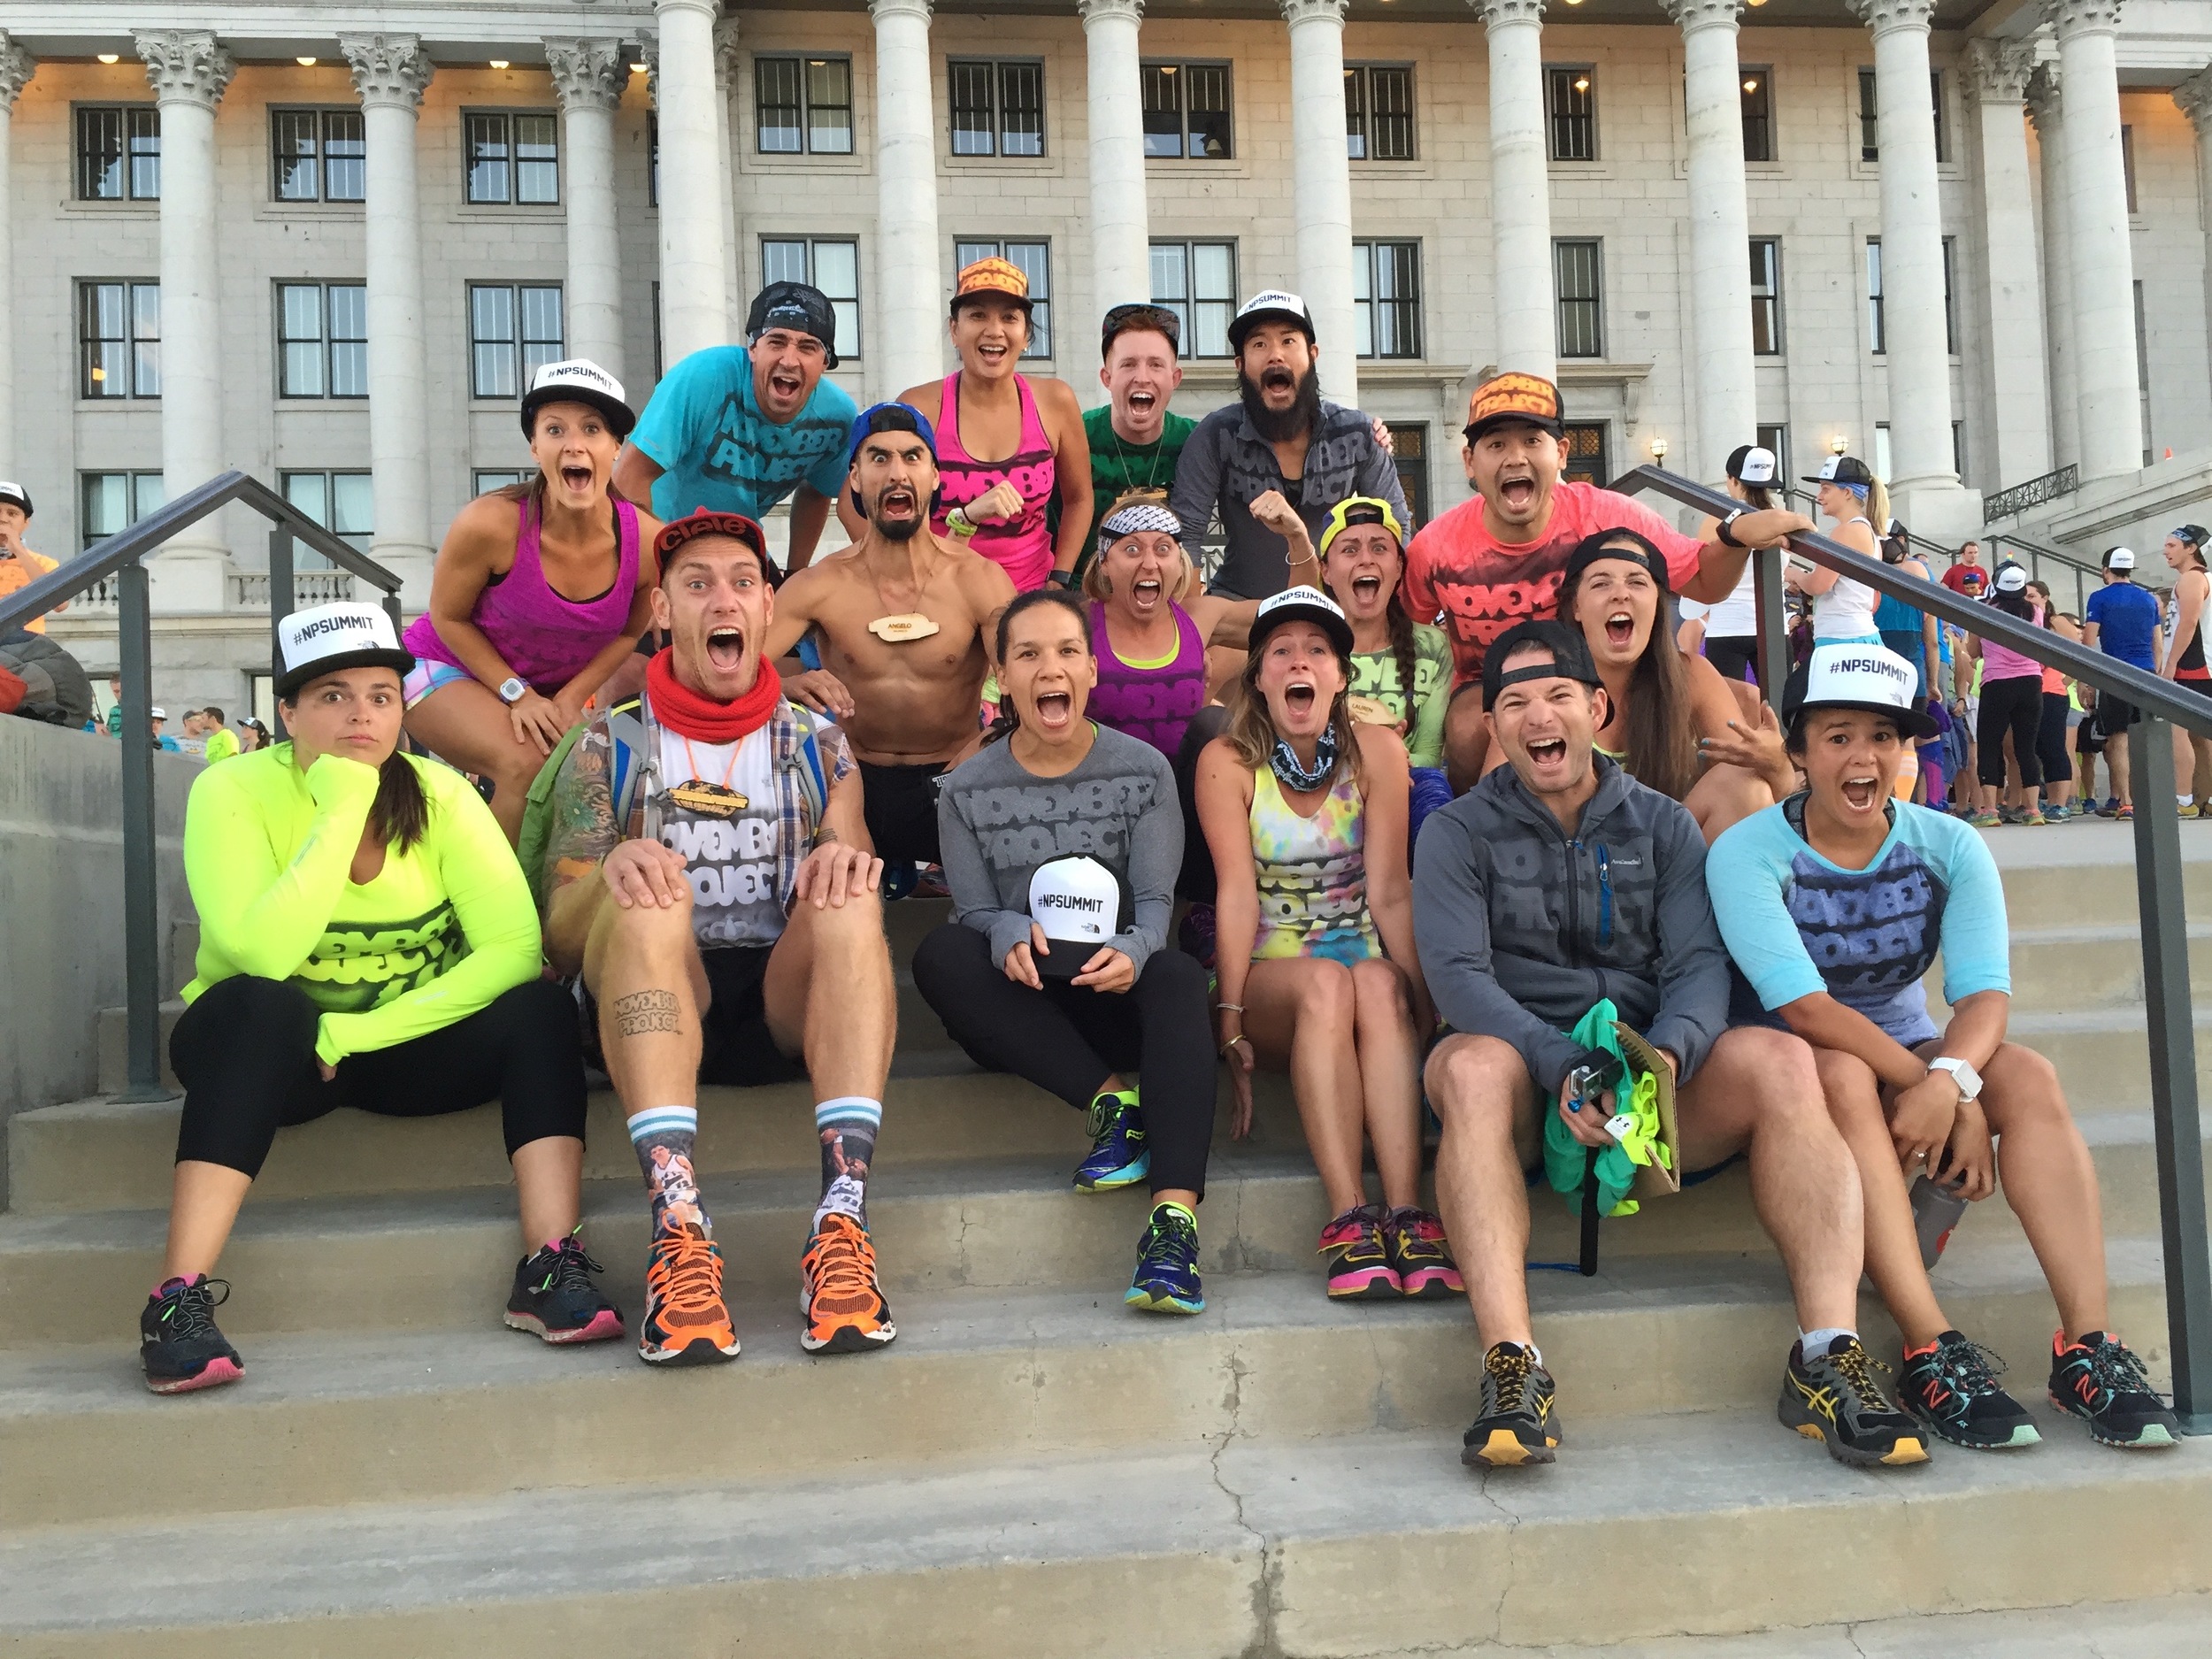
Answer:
(1547, 754)
(1620, 630)
(1862, 793)
(1142, 401)
(1366, 589)
(1299, 697)
(1516, 491)
(1278, 382)
(1055, 710)
(1145, 592)
(576, 476)
(785, 383)
(726, 648)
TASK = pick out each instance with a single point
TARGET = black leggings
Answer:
(2050, 739)
(245, 1053)
(1069, 1039)
(1735, 655)
(2017, 704)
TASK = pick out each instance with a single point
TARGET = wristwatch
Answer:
(1722, 528)
(958, 523)
(512, 689)
(1063, 578)
(1966, 1077)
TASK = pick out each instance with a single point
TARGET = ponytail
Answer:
(399, 815)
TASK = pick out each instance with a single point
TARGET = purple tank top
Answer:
(1155, 705)
(545, 638)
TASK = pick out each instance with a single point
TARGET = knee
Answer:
(651, 926)
(1474, 1079)
(1325, 996)
(1783, 1079)
(1171, 973)
(947, 957)
(542, 1012)
(2023, 1088)
(858, 921)
(1378, 993)
(1847, 1083)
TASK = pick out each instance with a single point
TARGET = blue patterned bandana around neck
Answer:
(1291, 775)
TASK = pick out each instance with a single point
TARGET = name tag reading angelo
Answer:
(1369, 711)
(708, 800)
(898, 630)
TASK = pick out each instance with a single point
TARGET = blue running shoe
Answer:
(1119, 1156)
(1167, 1264)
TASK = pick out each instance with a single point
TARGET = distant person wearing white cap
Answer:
(2011, 701)
(367, 939)
(1732, 625)
(2122, 621)
(158, 717)
(19, 567)
(1062, 838)
(1856, 500)
(539, 593)
(1835, 904)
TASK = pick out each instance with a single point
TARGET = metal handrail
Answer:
(2160, 905)
(2012, 502)
(123, 556)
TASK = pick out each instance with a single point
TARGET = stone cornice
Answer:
(2069, 18)
(588, 74)
(1492, 12)
(2194, 96)
(1883, 16)
(1691, 16)
(185, 65)
(1297, 12)
(2047, 104)
(17, 66)
(1110, 11)
(387, 69)
(879, 9)
(1997, 71)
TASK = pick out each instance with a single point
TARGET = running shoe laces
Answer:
(842, 1263)
(190, 1315)
(2118, 1371)
(571, 1268)
(685, 1269)
(1507, 1373)
(1970, 1368)
(1170, 1240)
(1858, 1368)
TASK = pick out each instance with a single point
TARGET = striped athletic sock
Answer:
(846, 1127)
(662, 1136)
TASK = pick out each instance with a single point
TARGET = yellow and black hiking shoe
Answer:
(1518, 1425)
(1836, 1398)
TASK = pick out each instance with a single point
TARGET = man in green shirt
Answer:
(1135, 440)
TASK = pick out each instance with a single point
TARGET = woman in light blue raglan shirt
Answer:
(1833, 905)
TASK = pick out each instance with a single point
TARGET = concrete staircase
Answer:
(1030, 1470)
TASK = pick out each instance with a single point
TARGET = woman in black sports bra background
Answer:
(2184, 662)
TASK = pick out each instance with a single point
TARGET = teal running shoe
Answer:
(1166, 1279)
(1119, 1156)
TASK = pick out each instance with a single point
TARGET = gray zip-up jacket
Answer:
(1522, 928)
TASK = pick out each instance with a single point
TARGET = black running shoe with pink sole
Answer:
(178, 1342)
(555, 1298)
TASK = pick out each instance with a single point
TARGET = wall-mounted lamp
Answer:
(1839, 444)
(499, 62)
(111, 58)
(304, 63)
(1659, 450)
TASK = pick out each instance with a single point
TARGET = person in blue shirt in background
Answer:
(737, 428)
(1833, 905)
(2122, 621)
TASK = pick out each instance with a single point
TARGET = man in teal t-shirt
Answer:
(737, 428)
(1135, 440)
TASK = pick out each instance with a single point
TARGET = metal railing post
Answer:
(2163, 905)
(1774, 637)
(280, 606)
(142, 921)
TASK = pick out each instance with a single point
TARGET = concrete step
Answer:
(333, 1417)
(2067, 970)
(1698, 1524)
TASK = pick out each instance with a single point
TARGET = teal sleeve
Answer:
(828, 474)
(1748, 873)
(1977, 954)
(1432, 678)
(666, 431)
(266, 916)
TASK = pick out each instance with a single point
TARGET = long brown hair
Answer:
(1251, 729)
(1662, 750)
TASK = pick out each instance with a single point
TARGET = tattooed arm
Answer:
(583, 833)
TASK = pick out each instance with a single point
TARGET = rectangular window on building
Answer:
(2127, 163)
(1197, 281)
(2143, 372)
(118, 152)
(1878, 339)
(1870, 123)
(1942, 125)
(488, 478)
(1776, 441)
(1958, 449)
(322, 339)
(341, 502)
(830, 263)
(803, 106)
(998, 108)
(1387, 298)
(1186, 111)
(1570, 112)
(1588, 458)
(1881, 450)
(1410, 448)
(1758, 112)
(1950, 311)
(1766, 296)
(1034, 260)
(1577, 281)
(514, 331)
(318, 155)
(110, 502)
(512, 157)
(1378, 111)
(119, 333)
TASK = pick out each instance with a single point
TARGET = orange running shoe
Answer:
(686, 1322)
(844, 1306)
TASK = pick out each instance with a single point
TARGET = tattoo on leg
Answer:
(648, 1010)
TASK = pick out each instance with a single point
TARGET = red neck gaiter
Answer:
(692, 714)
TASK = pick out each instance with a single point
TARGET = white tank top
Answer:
(1845, 611)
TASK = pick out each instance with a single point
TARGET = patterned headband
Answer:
(1135, 520)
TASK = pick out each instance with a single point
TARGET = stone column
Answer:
(2109, 394)
(1996, 77)
(1322, 173)
(390, 73)
(2048, 112)
(1520, 188)
(695, 294)
(1725, 390)
(1121, 257)
(2194, 96)
(16, 68)
(729, 63)
(910, 293)
(188, 72)
(589, 76)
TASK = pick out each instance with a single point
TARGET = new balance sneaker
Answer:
(1120, 1155)
(1420, 1255)
(1951, 1385)
(844, 1306)
(1166, 1279)
(1836, 1398)
(178, 1343)
(1360, 1268)
(686, 1321)
(554, 1297)
(2101, 1381)
(1518, 1425)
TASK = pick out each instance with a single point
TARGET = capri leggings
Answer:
(2050, 739)
(1068, 1039)
(245, 1053)
(2014, 705)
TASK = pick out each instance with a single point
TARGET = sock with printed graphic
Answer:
(662, 1136)
(846, 1127)
(1813, 1344)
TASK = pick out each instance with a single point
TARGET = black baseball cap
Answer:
(1270, 305)
(19, 496)
(1570, 657)
(1841, 469)
(1606, 544)
(1301, 604)
(798, 307)
(578, 381)
(1869, 677)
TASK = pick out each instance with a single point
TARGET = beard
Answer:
(896, 529)
(1302, 416)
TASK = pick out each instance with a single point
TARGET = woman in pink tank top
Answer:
(540, 593)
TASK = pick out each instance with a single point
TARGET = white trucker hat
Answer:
(1869, 677)
(2120, 558)
(578, 381)
(1079, 904)
(324, 639)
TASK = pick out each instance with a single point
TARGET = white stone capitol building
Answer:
(325, 243)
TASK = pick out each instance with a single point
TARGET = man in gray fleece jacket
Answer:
(1556, 881)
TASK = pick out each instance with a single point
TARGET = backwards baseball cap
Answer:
(889, 418)
(1302, 604)
(1570, 657)
(798, 307)
(2119, 558)
(1079, 905)
(578, 381)
(994, 275)
(1841, 469)
(2194, 534)
(736, 525)
(1359, 510)
(1122, 320)
(324, 639)
(2011, 578)
(17, 494)
(1625, 545)
(1748, 464)
(158, 714)
(1268, 305)
(1871, 678)
(1513, 399)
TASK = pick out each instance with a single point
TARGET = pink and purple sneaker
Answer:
(1360, 1264)
(1422, 1255)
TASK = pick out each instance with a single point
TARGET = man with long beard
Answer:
(1280, 449)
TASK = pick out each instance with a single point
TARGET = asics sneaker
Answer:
(686, 1321)
(1166, 1279)
(554, 1297)
(1951, 1385)
(844, 1306)
(178, 1343)
(1836, 1398)
(1420, 1255)
(1119, 1156)
(1518, 1425)
(2101, 1381)
(1359, 1267)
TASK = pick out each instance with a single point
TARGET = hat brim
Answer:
(1242, 326)
(1066, 958)
(1027, 304)
(1913, 722)
(401, 662)
(621, 417)
(1338, 629)
(1475, 430)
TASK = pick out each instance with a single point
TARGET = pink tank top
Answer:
(1155, 704)
(545, 638)
(1023, 545)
